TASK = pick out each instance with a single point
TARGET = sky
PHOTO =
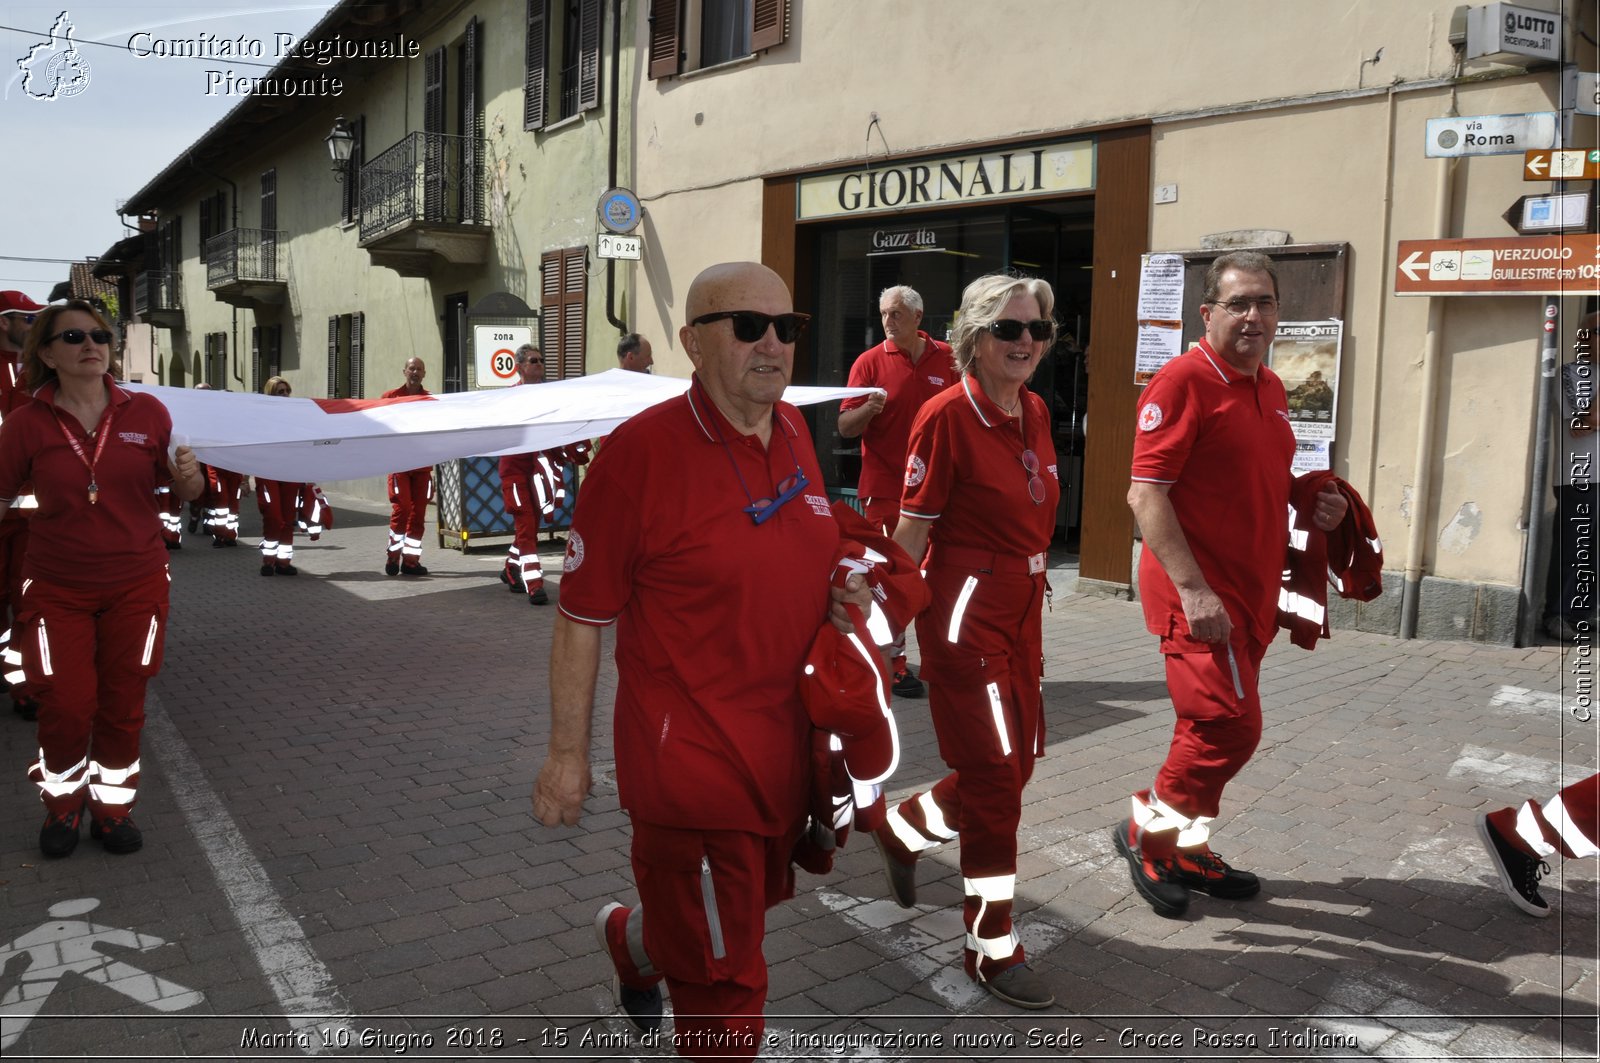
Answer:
(115, 120)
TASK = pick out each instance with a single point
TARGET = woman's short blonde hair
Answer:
(982, 303)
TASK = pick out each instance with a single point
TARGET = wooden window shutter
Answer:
(472, 124)
(589, 54)
(574, 292)
(333, 357)
(665, 60)
(269, 199)
(769, 24)
(537, 60)
(256, 379)
(549, 307)
(358, 341)
(350, 190)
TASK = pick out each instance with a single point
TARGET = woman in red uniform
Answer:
(280, 507)
(93, 613)
(981, 483)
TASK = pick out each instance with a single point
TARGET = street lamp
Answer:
(341, 142)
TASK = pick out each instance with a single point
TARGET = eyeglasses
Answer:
(75, 336)
(762, 509)
(1240, 307)
(1030, 462)
(530, 361)
(750, 325)
(1007, 329)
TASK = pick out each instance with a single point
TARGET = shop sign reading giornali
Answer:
(991, 176)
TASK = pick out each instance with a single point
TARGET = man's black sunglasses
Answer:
(750, 325)
(75, 336)
(1007, 329)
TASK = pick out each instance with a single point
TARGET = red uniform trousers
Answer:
(1214, 693)
(983, 654)
(170, 506)
(709, 891)
(89, 652)
(224, 489)
(13, 547)
(278, 503)
(522, 560)
(884, 513)
(1568, 823)
(409, 495)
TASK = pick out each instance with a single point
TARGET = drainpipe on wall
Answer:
(1422, 488)
(611, 167)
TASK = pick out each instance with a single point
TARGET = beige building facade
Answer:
(874, 144)
(484, 135)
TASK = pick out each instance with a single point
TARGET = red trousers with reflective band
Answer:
(277, 501)
(409, 495)
(705, 896)
(523, 558)
(13, 547)
(89, 653)
(884, 513)
(983, 656)
(1218, 721)
(1568, 823)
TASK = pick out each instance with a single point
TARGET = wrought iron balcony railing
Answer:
(157, 292)
(244, 256)
(426, 177)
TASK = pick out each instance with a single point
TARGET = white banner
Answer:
(322, 440)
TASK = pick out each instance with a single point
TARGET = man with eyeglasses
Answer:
(703, 531)
(1210, 489)
(409, 494)
(532, 487)
(17, 312)
(910, 367)
(633, 354)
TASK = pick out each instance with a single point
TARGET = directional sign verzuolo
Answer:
(1580, 164)
(1502, 265)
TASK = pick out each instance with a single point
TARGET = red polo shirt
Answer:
(965, 470)
(1223, 441)
(714, 613)
(883, 443)
(116, 539)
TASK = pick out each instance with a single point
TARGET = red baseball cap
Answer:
(14, 302)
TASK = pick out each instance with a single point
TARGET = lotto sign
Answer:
(494, 353)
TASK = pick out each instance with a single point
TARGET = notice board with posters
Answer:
(1311, 291)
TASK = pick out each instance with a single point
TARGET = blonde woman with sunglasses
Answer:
(981, 486)
(93, 611)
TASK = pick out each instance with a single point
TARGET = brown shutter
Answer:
(537, 59)
(769, 24)
(358, 343)
(471, 126)
(333, 357)
(665, 60)
(255, 359)
(574, 292)
(432, 127)
(350, 194)
(589, 54)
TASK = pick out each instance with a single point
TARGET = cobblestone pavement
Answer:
(335, 806)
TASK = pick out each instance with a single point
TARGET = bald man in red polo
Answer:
(704, 532)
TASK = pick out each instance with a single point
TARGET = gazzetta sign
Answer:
(1510, 265)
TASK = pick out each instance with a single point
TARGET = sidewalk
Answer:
(335, 805)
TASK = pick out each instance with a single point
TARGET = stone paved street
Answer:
(335, 806)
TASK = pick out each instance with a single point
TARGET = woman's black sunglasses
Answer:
(75, 336)
(750, 325)
(1008, 329)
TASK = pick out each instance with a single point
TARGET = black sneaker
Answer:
(194, 525)
(413, 570)
(117, 834)
(902, 876)
(268, 569)
(1519, 873)
(512, 581)
(59, 835)
(907, 685)
(539, 597)
(171, 545)
(1021, 987)
(1156, 880)
(643, 1007)
(1203, 870)
(391, 567)
(286, 569)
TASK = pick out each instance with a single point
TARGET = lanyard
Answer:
(102, 432)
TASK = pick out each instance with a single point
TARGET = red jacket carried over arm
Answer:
(1350, 557)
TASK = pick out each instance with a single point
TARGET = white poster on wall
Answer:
(1305, 355)
(1160, 315)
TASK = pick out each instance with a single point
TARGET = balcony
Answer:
(422, 204)
(158, 298)
(244, 267)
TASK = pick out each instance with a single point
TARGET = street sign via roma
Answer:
(1502, 265)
